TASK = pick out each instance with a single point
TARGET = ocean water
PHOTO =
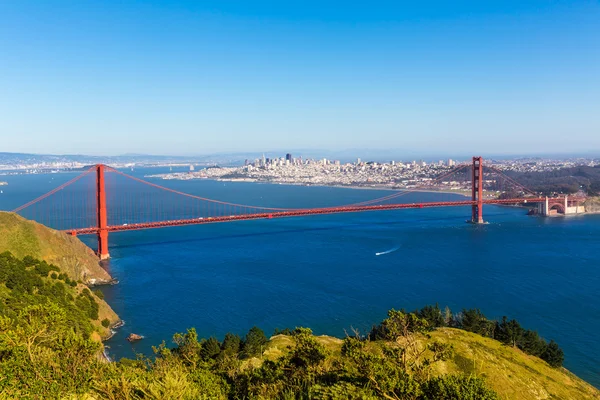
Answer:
(338, 272)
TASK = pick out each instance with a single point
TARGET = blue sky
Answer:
(196, 77)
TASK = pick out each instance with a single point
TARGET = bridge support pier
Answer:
(101, 211)
(477, 191)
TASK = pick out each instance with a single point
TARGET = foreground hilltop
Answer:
(506, 370)
(23, 237)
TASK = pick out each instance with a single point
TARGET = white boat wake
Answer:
(387, 251)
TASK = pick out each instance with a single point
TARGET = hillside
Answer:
(592, 204)
(412, 362)
(23, 237)
(507, 370)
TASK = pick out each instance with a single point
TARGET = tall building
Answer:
(451, 162)
(288, 157)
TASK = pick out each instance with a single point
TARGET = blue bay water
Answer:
(323, 271)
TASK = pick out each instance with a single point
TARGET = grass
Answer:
(509, 371)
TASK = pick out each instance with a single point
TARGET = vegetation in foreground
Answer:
(47, 350)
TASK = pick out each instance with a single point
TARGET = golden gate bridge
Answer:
(91, 208)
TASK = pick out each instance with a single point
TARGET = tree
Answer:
(473, 320)
(553, 355)
(308, 352)
(211, 348)
(231, 345)
(398, 324)
(433, 315)
(532, 343)
(254, 342)
(188, 348)
(508, 332)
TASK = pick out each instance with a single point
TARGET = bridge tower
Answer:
(477, 191)
(101, 211)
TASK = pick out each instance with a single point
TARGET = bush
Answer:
(457, 387)
(105, 322)
(99, 294)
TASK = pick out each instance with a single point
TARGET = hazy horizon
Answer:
(343, 155)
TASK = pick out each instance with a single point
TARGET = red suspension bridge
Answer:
(90, 207)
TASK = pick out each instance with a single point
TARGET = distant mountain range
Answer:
(14, 159)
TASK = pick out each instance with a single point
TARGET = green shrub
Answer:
(457, 387)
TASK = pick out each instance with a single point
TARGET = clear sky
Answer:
(195, 77)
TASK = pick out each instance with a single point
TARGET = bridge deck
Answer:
(299, 213)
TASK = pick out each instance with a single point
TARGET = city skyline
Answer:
(184, 79)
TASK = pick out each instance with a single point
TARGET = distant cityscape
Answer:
(387, 175)
(299, 170)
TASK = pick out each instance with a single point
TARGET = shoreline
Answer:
(113, 331)
(354, 187)
(339, 186)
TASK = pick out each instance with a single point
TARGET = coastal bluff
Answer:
(24, 237)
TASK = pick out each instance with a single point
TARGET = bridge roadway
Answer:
(298, 213)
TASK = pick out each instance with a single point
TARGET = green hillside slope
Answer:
(23, 237)
(507, 370)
